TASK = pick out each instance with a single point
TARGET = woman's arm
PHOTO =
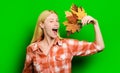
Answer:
(83, 48)
(98, 38)
(28, 68)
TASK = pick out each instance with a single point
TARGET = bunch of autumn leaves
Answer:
(74, 16)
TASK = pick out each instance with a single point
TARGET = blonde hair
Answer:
(38, 33)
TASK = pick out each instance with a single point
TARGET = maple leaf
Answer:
(74, 7)
(80, 12)
(71, 17)
(74, 17)
(71, 27)
(67, 13)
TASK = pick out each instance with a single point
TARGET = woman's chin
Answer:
(54, 36)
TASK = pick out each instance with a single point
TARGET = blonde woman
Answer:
(48, 53)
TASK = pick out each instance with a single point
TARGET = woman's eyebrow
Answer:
(53, 19)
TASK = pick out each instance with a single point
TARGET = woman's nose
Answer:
(56, 24)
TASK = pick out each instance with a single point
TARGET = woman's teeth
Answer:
(54, 30)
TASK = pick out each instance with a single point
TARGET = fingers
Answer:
(87, 19)
(84, 20)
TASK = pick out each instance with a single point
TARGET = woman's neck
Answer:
(48, 40)
(46, 44)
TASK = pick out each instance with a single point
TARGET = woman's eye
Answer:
(51, 21)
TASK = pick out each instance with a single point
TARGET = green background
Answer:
(18, 19)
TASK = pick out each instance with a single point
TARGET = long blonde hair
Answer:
(38, 33)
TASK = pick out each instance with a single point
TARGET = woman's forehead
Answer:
(52, 16)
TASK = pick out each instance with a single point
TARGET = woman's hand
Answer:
(88, 19)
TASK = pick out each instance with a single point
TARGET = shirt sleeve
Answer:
(82, 48)
(28, 62)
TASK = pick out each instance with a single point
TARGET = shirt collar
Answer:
(58, 41)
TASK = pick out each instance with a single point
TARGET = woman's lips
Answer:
(55, 30)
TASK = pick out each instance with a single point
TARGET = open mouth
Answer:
(55, 30)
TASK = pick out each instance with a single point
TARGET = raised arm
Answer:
(98, 38)
(84, 48)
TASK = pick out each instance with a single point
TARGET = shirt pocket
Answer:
(62, 61)
(62, 57)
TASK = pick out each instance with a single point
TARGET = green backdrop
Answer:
(18, 19)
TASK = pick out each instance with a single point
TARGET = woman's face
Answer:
(51, 25)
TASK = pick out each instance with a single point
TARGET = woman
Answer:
(48, 53)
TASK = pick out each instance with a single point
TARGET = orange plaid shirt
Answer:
(58, 60)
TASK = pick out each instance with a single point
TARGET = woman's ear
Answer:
(41, 25)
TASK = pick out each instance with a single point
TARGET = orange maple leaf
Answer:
(71, 17)
(74, 17)
(71, 27)
(80, 12)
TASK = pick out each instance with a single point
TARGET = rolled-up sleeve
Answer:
(28, 62)
(82, 48)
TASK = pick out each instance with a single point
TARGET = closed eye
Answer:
(51, 21)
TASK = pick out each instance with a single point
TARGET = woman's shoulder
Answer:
(32, 46)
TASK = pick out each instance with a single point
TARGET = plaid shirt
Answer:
(58, 60)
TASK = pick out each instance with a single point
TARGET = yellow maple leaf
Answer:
(73, 19)
(80, 12)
